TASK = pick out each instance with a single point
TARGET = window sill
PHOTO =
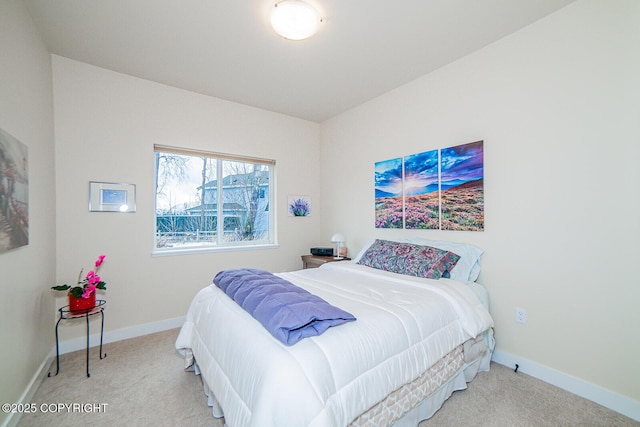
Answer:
(213, 249)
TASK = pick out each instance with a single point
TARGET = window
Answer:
(212, 200)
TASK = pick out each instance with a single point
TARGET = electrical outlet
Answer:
(521, 315)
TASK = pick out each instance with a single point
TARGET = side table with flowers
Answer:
(82, 303)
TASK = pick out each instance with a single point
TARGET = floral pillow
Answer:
(409, 259)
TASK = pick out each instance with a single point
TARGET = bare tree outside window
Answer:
(211, 201)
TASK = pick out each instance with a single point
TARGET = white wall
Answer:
(26, 273)
(557, 105)
(106, 124)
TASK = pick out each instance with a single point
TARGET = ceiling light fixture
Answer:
(295, 19)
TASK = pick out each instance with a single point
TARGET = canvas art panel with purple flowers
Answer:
(422, 198)
(388, 193)
(462, 187)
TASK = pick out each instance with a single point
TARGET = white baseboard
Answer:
(14, 417)
(616, 402)
(81, 344)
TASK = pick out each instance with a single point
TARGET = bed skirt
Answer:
(413, 402)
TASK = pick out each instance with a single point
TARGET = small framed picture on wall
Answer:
(112, 197)
(299, 206)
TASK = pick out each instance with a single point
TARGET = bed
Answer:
(415, 341)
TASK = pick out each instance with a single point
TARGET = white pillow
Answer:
(467, 268)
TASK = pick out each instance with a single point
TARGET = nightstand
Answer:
(315, 261)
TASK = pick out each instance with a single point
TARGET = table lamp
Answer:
(338, 239)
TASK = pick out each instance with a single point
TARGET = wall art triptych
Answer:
(434, 190)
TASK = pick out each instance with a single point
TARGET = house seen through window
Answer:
(211, 200)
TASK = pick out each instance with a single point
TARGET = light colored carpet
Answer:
(142, 383)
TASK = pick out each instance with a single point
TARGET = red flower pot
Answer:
(82, 304)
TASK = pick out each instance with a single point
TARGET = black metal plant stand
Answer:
(66, 314)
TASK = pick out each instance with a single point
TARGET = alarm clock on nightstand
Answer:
(322, 251)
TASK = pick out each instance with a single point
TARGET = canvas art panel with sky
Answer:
(422, 201)
(462, 187)
(437, 189)
(388, 188)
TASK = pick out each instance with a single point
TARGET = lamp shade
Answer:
(338, 238)
(295, 19)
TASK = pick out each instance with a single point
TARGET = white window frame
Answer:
(220, 245)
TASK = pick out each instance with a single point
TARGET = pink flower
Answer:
(92, 278)
(88, 290)
(99, 260)
(85, 286)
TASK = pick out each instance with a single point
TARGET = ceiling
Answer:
(227, 49)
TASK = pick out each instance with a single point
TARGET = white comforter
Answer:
(404, 325)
